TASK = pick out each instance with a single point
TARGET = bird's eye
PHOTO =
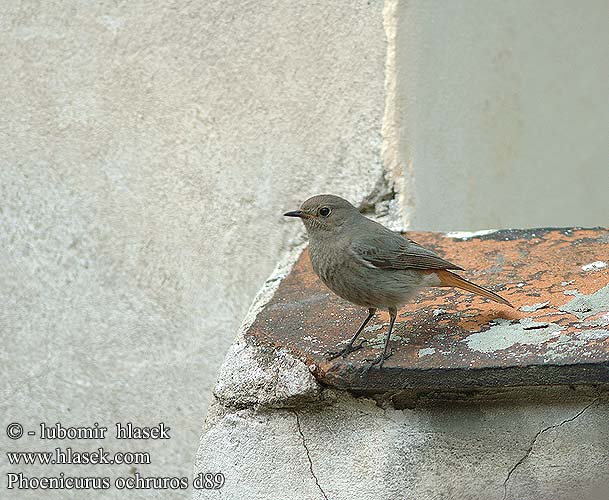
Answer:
(324, 211)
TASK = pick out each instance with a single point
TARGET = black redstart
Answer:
(369, 265)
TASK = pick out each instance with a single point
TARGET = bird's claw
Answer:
(379, 360)
(343, 352)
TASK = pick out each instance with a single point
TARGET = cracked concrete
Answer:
(353, 448)
(534, 441)
(304, 444)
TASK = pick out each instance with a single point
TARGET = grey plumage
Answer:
(370, 265)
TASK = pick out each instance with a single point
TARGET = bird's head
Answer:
(324, 212)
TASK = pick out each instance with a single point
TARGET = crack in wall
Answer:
(304, 444)
(534, 441)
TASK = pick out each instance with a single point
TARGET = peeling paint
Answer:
(465, 235)
(535, 307)
(600, 321)
(594, 335)
(599, 264)
(427, 351)
(564, 346)
(505, 334)
(378, 342)
(583, 306)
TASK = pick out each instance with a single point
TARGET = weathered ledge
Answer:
(558, 280)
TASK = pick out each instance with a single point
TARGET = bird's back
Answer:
(351, 276)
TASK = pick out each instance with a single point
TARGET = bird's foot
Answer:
(379, 360)
(343, 352)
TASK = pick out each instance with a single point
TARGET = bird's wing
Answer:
(391, 251)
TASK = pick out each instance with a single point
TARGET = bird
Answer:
(372, 266)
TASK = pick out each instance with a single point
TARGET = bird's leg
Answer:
(380, 359)
(350, 348)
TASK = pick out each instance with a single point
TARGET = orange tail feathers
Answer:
(450, 279)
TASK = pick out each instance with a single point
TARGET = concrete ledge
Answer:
(473, 405)
(352, 448)
(558, 280)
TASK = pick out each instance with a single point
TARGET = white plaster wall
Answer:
(502, 112)
(148, 150)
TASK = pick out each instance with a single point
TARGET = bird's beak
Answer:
(297, 213)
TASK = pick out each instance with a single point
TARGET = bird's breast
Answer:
(327, 261)
(360, 284)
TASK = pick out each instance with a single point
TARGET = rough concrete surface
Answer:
(351, 448)
(299, 440)
(148, 151)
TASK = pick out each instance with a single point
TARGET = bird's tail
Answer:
(451, 279)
